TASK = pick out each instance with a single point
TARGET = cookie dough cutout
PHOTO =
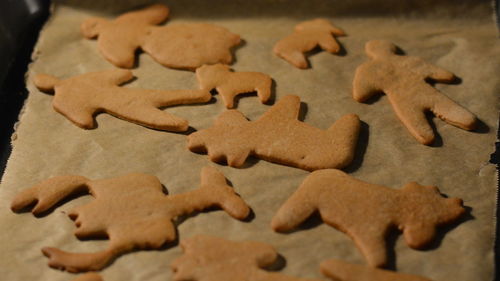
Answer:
(91, 276)
(278, 137)
(367, 212)
(307, 36)
(183, 46)
(342, 271)
(208, 258)
(403, 80)
(132, 211)
(230, 84)
(81, 97)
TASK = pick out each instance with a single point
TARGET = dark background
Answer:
(20, 23)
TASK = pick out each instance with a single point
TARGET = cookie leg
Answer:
(415, 121)
(329, 44)
(452, 113)
(77, 262)
(176, 97)
(152, 117)
(264, 90)
(372, 246)
(296, 58)
(227, 96)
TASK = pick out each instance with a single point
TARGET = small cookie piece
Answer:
(367, 212)
(131, 210)
(81, 97)
(91, 276)
(342, 271)
(278, 137)
(208, 258)
(230, 84)
(308, 35)
(403, 80)
(184, 46)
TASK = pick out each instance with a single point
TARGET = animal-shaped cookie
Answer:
(308, 35)
(367, 212)
(131, 210)
(342, 271)
(91, 276)
(230, 84)
(184, 46)
(208, 258)
(81, 97)
(403, 80)
(278, 137)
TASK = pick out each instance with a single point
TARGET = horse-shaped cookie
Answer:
(278, 137)
(230, 84)
(132, 211)
(308, 35)
(208, 258)
(184, 46)
(367, 212)
(341, 271)
(81, 97)
(403, 80)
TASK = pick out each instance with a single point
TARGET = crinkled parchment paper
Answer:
(461, 38)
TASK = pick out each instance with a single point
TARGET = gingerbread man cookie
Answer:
(184, 46)
(230, 84)
(308, 35)
(402, 79)
(81, 97)
(367, 212)
(131, 210)
(342, 271)
(278, 137)
(208, 258)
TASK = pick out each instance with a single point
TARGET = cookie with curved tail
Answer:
(367, 212)
(132, 211)
(278, 137)
(81, 97)
(403, 80)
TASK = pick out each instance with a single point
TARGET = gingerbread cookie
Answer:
(403, 80)
(91, 276)
(342, 271)
(230, 84)
(184, 46)
(208, 258)
(278, 137)
(81, 97)
(131, 210)
(308, 35)
(367, 212)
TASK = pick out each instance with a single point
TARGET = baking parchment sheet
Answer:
(461, 38)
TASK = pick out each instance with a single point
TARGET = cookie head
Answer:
(380, 48)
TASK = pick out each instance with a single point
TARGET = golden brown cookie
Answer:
(91, 276)
(367, 212)
(306, 36)
(230, 84)
(184, 46)
(131, 210)
(208, 258)
(342, 271)
(403, 80)
(81, 97)
(278, 137)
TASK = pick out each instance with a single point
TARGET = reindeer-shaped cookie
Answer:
(81, 97)
(208, 258)
(184, 46)
(230, 84)
(308, 35)
(278, 137)
(131, 210)
(403, 80)
(367, 212)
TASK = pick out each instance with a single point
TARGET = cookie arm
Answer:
(337, 31)
(363, 85)
(110, 76)
(49, 192)
(439, 74)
